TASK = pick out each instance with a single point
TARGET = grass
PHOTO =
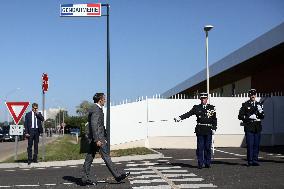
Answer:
(65, 148)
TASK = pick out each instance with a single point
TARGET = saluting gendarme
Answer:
(206, 126)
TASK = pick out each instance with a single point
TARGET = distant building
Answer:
(259, 64)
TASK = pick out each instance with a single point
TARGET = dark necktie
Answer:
(35, 122)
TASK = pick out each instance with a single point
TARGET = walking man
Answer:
(96, 135)
(206, 126)
(33, 128)
(251, 114)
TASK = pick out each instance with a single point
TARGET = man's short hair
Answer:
(97, 97)
(35, 105)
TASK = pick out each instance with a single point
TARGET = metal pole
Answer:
(207, 67)
(108, 82)
(16, 148)
(43, 128)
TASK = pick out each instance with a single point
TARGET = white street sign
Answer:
(16, 130)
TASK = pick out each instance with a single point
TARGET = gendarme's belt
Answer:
(204, 124)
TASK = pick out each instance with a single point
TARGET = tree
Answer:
(84, 107)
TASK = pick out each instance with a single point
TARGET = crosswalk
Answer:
(160, 174)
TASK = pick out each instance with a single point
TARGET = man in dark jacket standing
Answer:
(96, 135)
(33, 128)
(206, 126)
(251, 114)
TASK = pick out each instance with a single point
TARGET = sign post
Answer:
(45, 85)
(86, 10)
(17, 110)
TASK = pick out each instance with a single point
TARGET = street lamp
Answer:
(207, 28)
(6, 98)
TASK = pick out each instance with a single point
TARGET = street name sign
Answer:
(17, 110)
(80, 9)
(16, 130)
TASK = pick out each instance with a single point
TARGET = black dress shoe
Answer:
(207, 166)
(199, 167)
(35, 161)
(29, 162)
(249, 164)
(122, 177)
(255, 164)
(88, 182)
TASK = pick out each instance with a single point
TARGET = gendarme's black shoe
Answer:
(122, 177)
(207, 166)
(35, 161)
(29, 162)
(249, 164)
(199, 167)
(255, 164)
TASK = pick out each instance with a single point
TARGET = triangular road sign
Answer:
(17, 110)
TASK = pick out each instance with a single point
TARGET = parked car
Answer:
(1, 135)
(75, 131)
(6, 134)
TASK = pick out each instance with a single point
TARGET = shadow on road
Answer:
(74, 180)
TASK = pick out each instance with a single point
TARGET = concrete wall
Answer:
(150, 123)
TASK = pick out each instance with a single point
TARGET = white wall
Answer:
(154, 118)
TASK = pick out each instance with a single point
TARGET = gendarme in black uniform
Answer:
(251, 114)
(206, 122)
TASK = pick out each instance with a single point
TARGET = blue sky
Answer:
(154, 46)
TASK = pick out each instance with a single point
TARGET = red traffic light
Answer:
(44, 82)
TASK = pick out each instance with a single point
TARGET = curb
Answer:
(80, 161)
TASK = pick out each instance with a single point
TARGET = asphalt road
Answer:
(176, 170)
(7, 149)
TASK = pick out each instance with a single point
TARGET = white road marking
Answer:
(73, 166)
(25, 169)
(185, 159)
(197, 185)
(153, 187)
(146, 181)
(280, 156)
(144, 177)
(9, 170)
(187, 179)
(137, 169)
(162, 160)
(50, 184)
(181, 175)
(41, 168)
(173, 186)
(56, 167)
(230, 153)
(26, 185)
(67, 183)
(142, 172)
(174, 171)
(5, 186)
(174, 167)
(118, 163)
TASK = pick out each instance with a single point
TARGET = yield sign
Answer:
(17, 110)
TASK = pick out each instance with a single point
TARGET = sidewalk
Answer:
(78, 162)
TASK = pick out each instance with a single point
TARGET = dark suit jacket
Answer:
(28, 122)
(96, 127)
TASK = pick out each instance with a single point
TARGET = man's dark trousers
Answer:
(252, 140)
(203, 151)
(93, 148)
(33, 140)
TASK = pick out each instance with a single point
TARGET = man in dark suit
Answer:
(206, 126)
(251, 114)
(96, 135)
(33, 128)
